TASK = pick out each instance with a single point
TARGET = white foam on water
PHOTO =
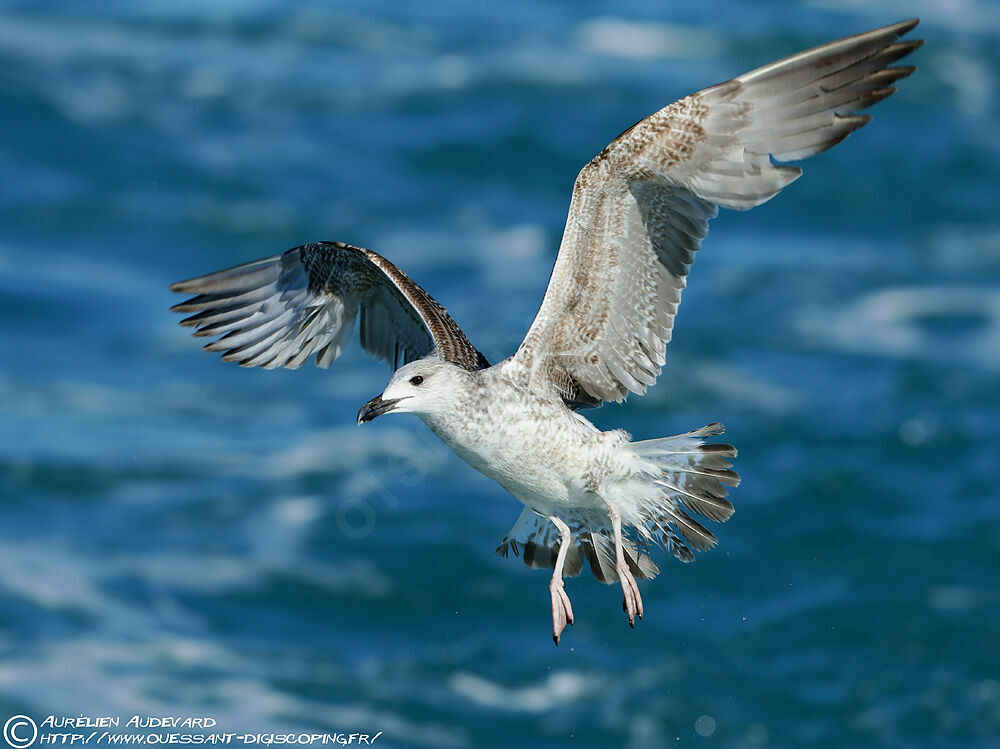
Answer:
(975, 16)
(952, 598)
(973, 81)
(359, 32)
(510, 255)
(621, 37)
(136, 658)
(919, 429)
(71, 271)
(453, 71)
(965, 248)
(297, 512)
(215, 574)
(97, 72)
(344, 448)
(202, 573)
(890, 323)
(557, 689)
(735, 383)
(395, 727)
(48, 576)
(97, 677)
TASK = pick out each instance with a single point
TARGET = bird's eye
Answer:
(416, 380)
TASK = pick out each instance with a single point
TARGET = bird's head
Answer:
(425, 387)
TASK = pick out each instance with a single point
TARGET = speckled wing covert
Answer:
(641, 208)
(279, 311)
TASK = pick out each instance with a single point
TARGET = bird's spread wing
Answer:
(641, 208)
(280, 311)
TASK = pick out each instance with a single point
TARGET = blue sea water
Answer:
(183, 537)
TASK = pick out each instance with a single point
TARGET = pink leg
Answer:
(562, 610)
(632, 604)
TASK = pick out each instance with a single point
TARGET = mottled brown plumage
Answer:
(641, 207)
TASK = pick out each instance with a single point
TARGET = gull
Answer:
(639, 212)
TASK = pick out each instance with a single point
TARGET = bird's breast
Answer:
(541, 453)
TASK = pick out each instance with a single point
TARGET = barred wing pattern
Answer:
(641, 207)
(279, 311)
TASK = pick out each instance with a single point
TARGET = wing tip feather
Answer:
(188, 305)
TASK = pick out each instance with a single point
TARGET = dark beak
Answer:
(375, 407)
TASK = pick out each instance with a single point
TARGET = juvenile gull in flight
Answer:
(639, 212)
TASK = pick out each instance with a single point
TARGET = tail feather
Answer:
(700, 537)
(542, 556)
(699, 497)
(681, 473)
(600, 555)
(693, 476)
(599, 548)
(535, 540)
(673, 543)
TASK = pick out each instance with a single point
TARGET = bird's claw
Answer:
(562, 609)
(631, 600)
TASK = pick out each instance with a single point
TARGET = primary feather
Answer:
(641, 207)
